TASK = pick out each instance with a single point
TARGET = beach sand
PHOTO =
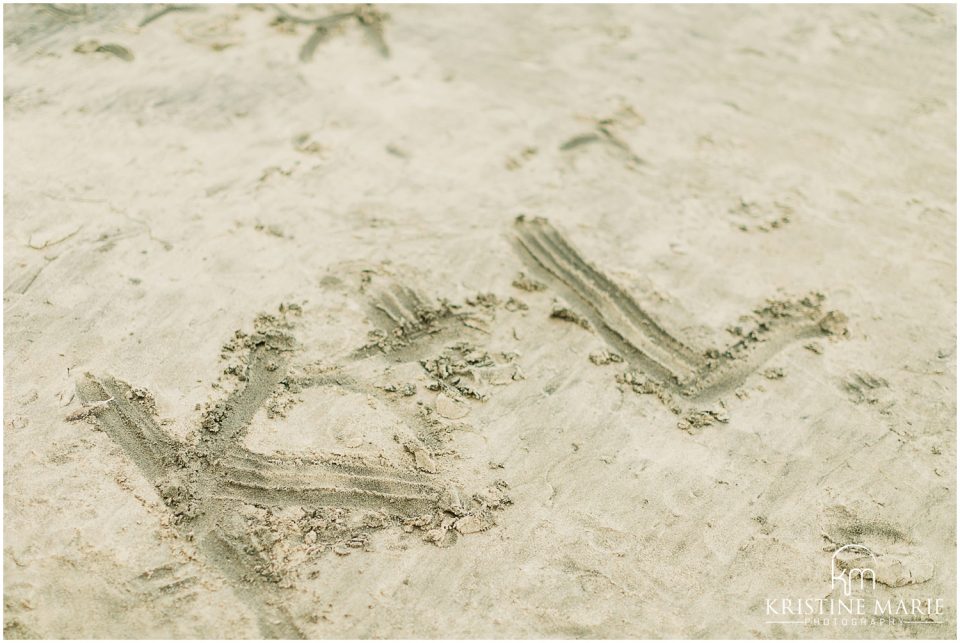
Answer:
(478, 321)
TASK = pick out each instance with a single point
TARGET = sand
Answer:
(479, 321)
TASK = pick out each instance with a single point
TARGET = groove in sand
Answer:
(206, 482)
(643, 341)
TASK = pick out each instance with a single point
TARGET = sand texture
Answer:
(478, 321)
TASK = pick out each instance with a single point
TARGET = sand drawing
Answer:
(727, 353)
(664, 363)
(209, 481)
(403, 316)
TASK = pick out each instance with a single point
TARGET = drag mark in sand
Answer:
(664, 362)
(224, 496)
(404, 317)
